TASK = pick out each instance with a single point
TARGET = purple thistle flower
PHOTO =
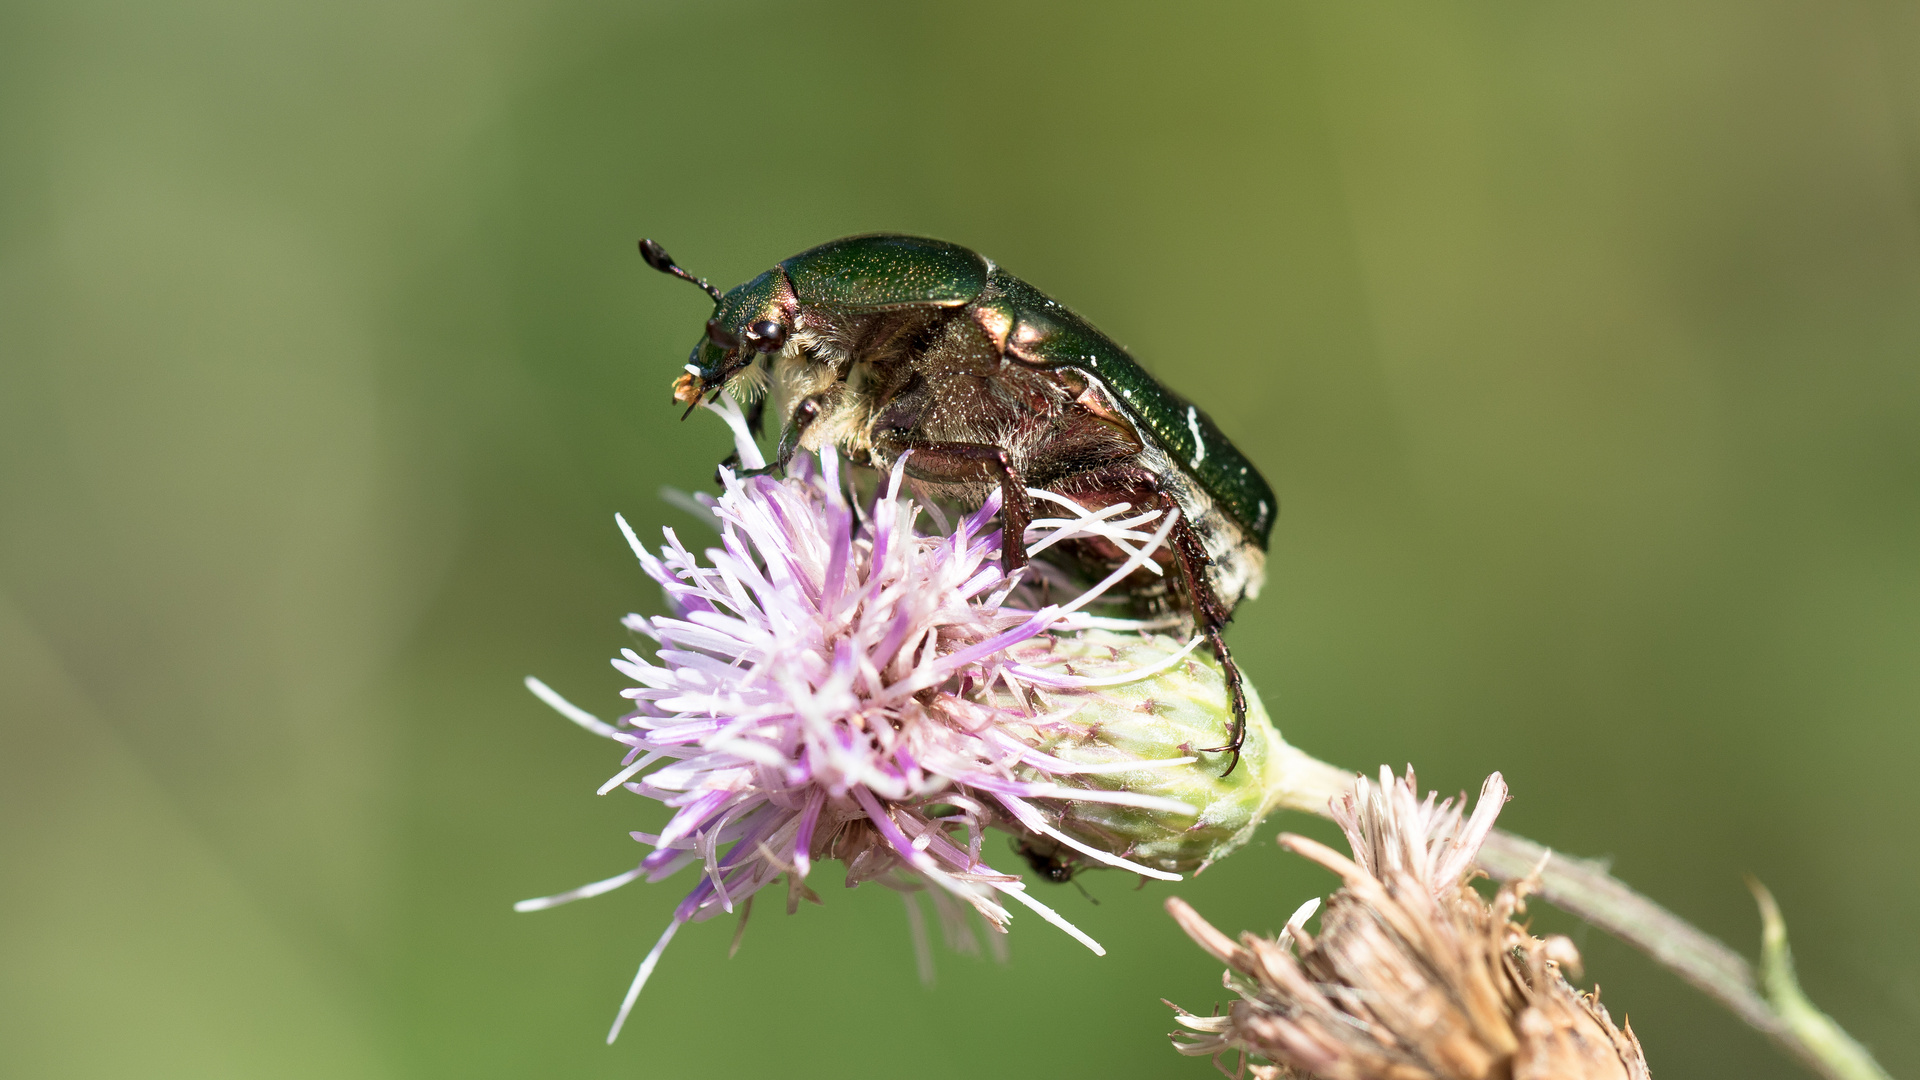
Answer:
(838, 684)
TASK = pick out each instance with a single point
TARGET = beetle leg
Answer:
(732, 463)
(805, 412)
(1211, 615)
(804, 415)
(958, 462)
(1236, 692)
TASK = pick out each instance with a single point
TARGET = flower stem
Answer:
(1585, 889)
(1299, 781)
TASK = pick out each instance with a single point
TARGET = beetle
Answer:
(886, 346)
(1049, 859)
(1054, 862)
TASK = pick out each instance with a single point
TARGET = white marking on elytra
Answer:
(1199, 444)
(1262, 522)
(693, 369)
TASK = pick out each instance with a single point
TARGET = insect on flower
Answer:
(904, 350)
(833, 684)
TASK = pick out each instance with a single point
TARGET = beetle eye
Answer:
(720, 335)
(767, 336)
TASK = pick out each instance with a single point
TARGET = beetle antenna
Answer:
(658, 258)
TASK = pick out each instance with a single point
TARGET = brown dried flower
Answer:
(1413, 976)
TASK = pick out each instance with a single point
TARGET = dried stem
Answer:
(1584, 888)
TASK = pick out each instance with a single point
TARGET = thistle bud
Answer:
(1160, 734)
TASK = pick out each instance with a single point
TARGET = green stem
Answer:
(1584, 888)
(1815, 1030)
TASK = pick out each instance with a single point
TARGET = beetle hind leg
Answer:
(1236, 694)
(1210, 616)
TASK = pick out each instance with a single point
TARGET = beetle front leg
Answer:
(1211, 616)
(959, 463)
(804, 414)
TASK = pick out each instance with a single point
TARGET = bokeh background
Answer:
(1581, 341)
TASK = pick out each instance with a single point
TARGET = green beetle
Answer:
(885, 345)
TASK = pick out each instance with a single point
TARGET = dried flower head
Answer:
(834, 683)
(1413, 976)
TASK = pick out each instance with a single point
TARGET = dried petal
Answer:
(1413, 976)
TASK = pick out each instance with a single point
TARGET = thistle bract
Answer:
(1168, 715)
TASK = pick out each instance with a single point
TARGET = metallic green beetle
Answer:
(882, 345)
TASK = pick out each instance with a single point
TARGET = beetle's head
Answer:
(752, 319)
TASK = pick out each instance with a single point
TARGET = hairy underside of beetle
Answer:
(880, 385)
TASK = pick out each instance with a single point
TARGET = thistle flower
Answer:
(834, 683)
(1412, 976)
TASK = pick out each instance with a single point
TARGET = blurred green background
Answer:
(1582, 343)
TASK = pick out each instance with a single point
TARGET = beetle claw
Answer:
(1237, 697)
